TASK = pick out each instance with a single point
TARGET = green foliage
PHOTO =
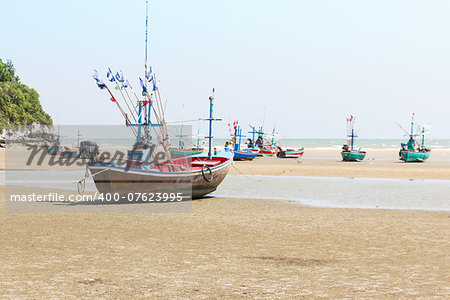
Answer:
(7, 71)
(19, 104)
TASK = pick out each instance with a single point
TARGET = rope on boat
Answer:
(81, 184)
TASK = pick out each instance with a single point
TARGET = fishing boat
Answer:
(267, 148)
(349, 152)
(414, 150)
(178, 152)
(290, 153)
(63, 151)
(245, 154)
(144, 173)
(182, 151)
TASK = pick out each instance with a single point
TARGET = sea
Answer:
(314, 144)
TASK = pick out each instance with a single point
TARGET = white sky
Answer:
(310, 63)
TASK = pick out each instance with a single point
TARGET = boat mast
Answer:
(353, 136)
(78, 140)
(253, 136)
(211, 119)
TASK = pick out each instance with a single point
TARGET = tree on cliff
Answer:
(19, 104)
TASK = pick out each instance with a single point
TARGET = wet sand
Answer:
(233, 248)
(228, 248)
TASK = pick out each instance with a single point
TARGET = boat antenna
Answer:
(211, 119)
(146, 39)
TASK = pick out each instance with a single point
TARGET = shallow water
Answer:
(341, 192)
(314, 191)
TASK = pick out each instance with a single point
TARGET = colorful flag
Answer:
(149, 75)
(144, 89)
(99, 82)
(125, 83)
(110, 75)
(113, 99)
(120, 77)
(155, 83)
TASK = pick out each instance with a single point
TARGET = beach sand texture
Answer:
(233, 248)
(230, 248)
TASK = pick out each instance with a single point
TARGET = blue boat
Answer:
(247, 154)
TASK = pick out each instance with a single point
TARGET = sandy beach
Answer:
(237, 248)
(379, 164)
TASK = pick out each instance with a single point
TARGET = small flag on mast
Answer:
(155, 83)
(144, 89)
(110, 75)
(99, 82)
(149, 75)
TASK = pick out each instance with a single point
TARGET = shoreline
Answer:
(320, 163)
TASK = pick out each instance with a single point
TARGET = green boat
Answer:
(355, 155)
(414, 150)
(176, 152)
(349, 153)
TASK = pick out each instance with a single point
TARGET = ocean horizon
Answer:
(316, 144)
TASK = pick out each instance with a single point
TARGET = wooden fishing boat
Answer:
(353, 155)
(177, 152)
(349, 153)
(414, 150)
(266, 147)
(268, 150)
(192, 176)
(63, 151)
(255, 150)
(240, 155)
(244, 155)
(68, 152)
(196, 177)
(290, 153)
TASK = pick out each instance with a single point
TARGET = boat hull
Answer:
(414, 156)
(353, 155)
(243, 155)
(267, 152)
(185, 152)
(290, 153)
(110, 179)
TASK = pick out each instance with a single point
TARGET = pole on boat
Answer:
(211, 103)
(253, 135)
(211, 119)
(139, 124)
(353, 136)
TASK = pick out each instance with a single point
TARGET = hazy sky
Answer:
(310, 63)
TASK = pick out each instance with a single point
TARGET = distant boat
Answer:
(267, 148)
(414, 150)
(177, 152)
(246, 154)
(349, 153)
(63, 151)
(290, 153)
